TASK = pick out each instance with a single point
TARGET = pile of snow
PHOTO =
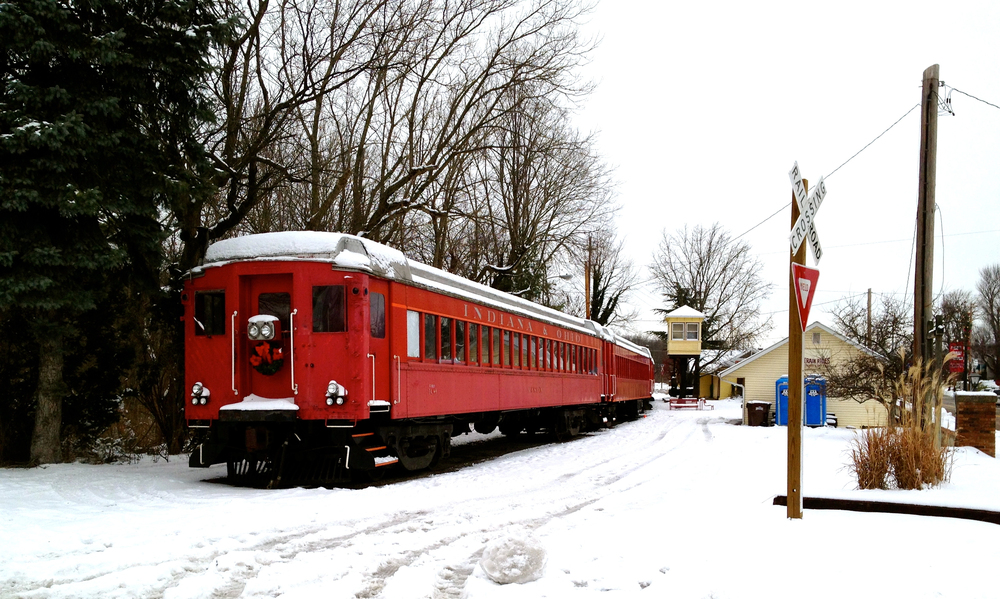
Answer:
(677, 504)
(516, 557)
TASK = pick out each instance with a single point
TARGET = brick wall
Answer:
(976, 421)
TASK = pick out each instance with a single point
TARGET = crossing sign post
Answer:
(802, 288)
(804, 228)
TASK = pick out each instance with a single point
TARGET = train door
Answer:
(268, 356)
(379, 354)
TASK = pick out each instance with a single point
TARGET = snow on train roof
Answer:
(357, 253)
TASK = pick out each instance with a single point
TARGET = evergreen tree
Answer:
(99, 102)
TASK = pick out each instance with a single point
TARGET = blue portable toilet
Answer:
(781, 401)
(815, 401)
(815, 388)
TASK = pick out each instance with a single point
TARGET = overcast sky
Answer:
(703, 108)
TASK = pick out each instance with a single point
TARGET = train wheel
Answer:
(417, 453)
(510, 429)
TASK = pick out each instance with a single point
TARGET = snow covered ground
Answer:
(677, 504)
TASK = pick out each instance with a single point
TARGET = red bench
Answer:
(677, 403)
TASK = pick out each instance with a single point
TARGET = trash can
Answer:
(758, 413)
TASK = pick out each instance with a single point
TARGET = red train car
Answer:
(321, 355)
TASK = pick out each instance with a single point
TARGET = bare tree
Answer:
(872, 375)
(708, 270)
(987, 335)
(958, 310)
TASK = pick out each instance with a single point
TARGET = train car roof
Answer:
(359, 254)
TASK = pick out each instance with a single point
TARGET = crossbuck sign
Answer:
(808, 207)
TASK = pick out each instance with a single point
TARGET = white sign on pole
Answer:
(804, 228)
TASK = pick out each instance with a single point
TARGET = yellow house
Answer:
(822, 346)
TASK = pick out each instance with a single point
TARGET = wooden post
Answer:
(868, 331)
(923, 280)
(795, 382)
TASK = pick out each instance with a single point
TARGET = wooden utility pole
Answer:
(868, 331)
(795, 382)
(924, 269)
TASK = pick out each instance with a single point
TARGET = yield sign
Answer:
(804, 282)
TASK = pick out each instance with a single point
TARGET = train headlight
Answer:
(266, 331)
(253, 331)
(335, 393)
(199, 394)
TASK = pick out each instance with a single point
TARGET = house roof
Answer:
(814, 325)
(685, 312)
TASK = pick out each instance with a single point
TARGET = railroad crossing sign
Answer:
(804, 282)
(808, 207)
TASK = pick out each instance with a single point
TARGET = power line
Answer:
(915, 106)
(975, 98)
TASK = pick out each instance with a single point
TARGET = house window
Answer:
(816, 338)
(692, 331)
(677, 331)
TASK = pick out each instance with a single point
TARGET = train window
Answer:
(516, 351)
(506, 348)
(459, 340)
(412, 334)
(210, 313)
(430, 337)
(446, 343)
(547, 354)
(473, 343)
(329, 309)
(677, 331)
(377, 314)
(692, 331)
(276, 304)
(534, 351)
(496, 347)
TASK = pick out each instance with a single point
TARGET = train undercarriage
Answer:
(277, 450)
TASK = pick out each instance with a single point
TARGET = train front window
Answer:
(276, 304)
(377, 314)
(210, 313)
(329, 309)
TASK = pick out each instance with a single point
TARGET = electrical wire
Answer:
(975, 98)
(834, 170)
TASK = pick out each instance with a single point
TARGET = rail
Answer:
(291, 341)
(232, 336)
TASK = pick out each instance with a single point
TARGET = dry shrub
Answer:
(906, 454)
(870, 458)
